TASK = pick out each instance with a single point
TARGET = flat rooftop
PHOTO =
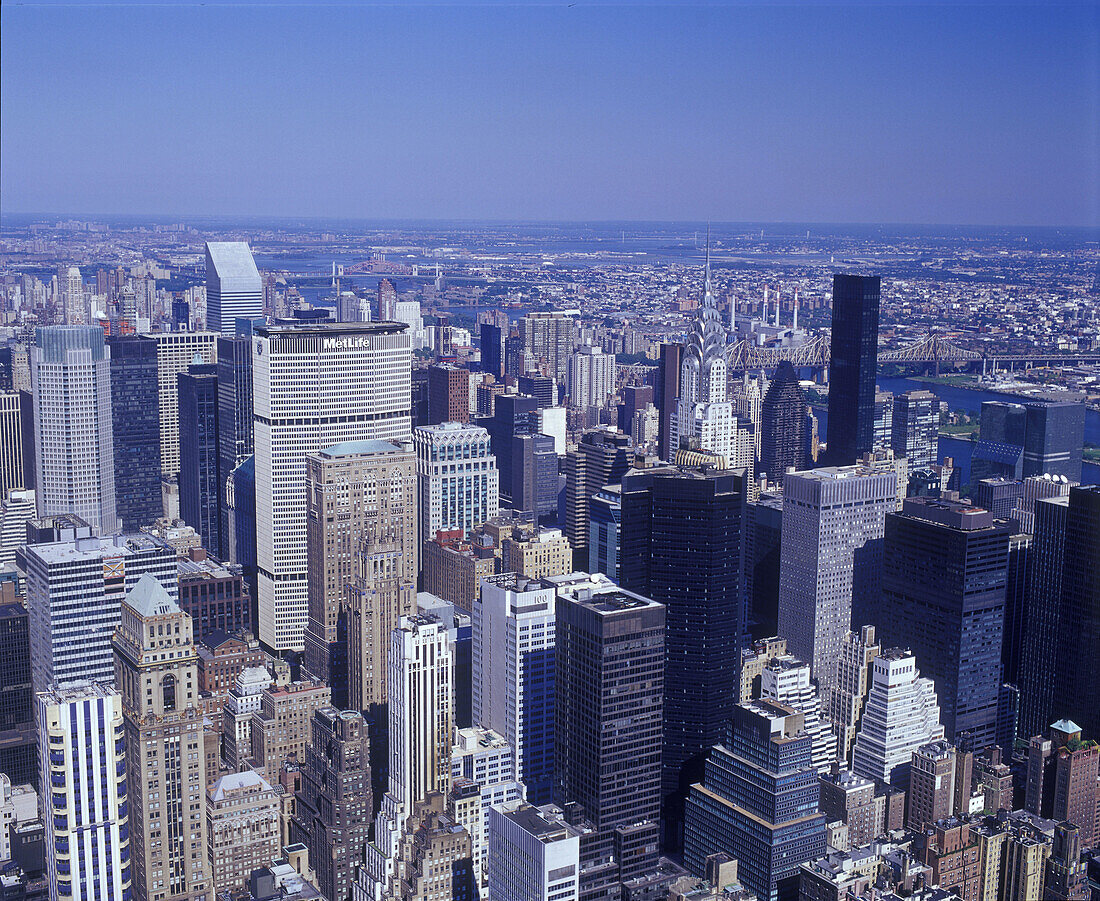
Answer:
(334, 329)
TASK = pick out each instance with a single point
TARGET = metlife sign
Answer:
(344, 343)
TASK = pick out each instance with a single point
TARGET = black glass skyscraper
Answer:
(852, 368)
(943, 596)
(200, 486)
(1021, 440)
(783, 425)
(680, 544)
(135, 427)
(235, 441)
(18, 749)
(492, 350)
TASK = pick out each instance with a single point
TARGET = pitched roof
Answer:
(149, 598)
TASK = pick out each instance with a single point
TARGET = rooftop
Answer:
(232, 259)
(333, 329)
(234, 782)
(365, 446)
(149, 598)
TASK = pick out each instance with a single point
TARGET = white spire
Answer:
(778, 294)
(794, 323)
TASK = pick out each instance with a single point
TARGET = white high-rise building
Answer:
(457, 475)
(1037, 488)
(75, 590)
(901, 714)
(314, 386)
(234, 288)
(787, 679)
(175, 352)
(591, 377)
(82, 754)
(391, 309)
(534, 855)
(513, 673)
(74, 443)
(18, 509)
(830, 553)
(11, 442)
(71, 288)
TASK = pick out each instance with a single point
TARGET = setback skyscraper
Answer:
(853, 368)
(234, 288)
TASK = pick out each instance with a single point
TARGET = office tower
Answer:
(680, 545)
(70, 288)
(199, 479)
(763, 531)
(850, 799)
(1030, 439)
(360, 509)
(945, 564)
(610, 660)
(214, 595)
(786, 680)
(166, 769)
(783, 425)
(753, 660)
(602, 457)
(534, 855)
(352, 308)
(448, 394)
(901, 714)
(853, 368)
(536, 554)
(884, 412)
(931, 784)
(74, 450)
(26, 433)
(387, 299)
(234, 288)
(998, 496)
(534, 487)
(17, 720)
(419, 397)
(604, 516)
(513, 674)
(915, 428)
(18, 508)
(281, 728)
(492, 349)
(242, 828)
(457, 478)
(83, 775)
(634, 398)
(1062, 778)
(668, 391)
(235, 443)
(1077, 685)
(758, 802)
(333, 814)
(830, 559)
(541, 387)
(308, 394)
(1043, 618)
(181, 315)
(1034, 489)
(240, 505)
(135, 430)
(853, 681)
(591, 377)
(1066, 876)
(11, 443)
(549, 338)
(175, 352)
(75, 589)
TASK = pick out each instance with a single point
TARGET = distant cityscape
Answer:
(439, 561)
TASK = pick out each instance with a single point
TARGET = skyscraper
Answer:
(83, 775)
(458, 482)
(830, 556)
(75, 589)
(602, 457)
(492, 349)
(71, 381)
(945, 564)
(534, 855)
(549, 338)
(235, 443)
(610, 660)
(681, 546)
(307, 394)
(448, 394)
(1030, 439)
(931, 784)
(200, 482)
(783, 425)
(234, 288)
(786, 680)
(758, 802)
(915, 428)
(17, 715)
(175, 352)
(853, 367)
(11, 443)
(901, 714)
(591, 377)
(155, 665)
(135, 431)
(668, 391)
(514, 675)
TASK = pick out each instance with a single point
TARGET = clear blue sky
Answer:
(821, 113)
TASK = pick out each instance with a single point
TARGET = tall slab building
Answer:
(852, 370)
(234, 289)
(136, 424)
(308, 393)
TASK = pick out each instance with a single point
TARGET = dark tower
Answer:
(135, 426)
(945, 565)
(18, 748)
(852, 370)
(492, 350)
(680, 545)
(235, 441)
(199, 482)
(783, 425)
(668, 390)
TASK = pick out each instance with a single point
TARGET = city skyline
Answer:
(935, 114)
